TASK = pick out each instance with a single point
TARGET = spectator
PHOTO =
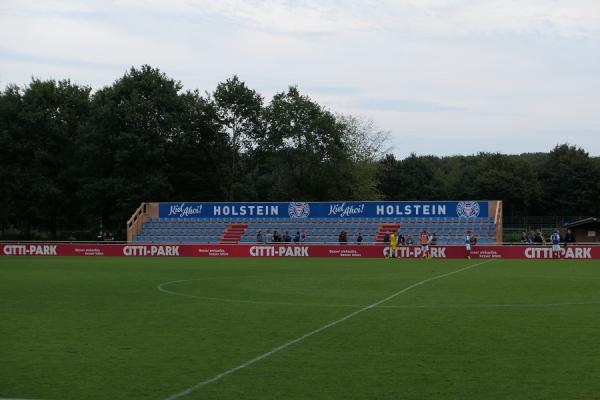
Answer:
(297, 238)
(473, 240)
(386, 239)
(269, 237)
(569, 238)
(401, 240)
(555, 239)
(286, 237)
(359, 238)
(343, 237)
(259, 237)
(524, 238)
(539, 237)
(530, 237)
(276, 237)
(303, 237)
(409, 240)
(434, 239)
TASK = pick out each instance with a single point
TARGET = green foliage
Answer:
(508, 178)
(562, 182)
(303, 150)
(39, 126)
(69, 157)
(571, 181)
(366, 146)
(414, 178)
(198, 154)
(124, 146)
(239, 110)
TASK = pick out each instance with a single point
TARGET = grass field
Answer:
(150, 328)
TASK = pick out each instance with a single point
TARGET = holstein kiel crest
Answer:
(299, 210)
(467, 209)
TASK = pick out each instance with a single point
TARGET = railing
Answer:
(539, 221)
(134, 224)
(111, 242)
(498, 223)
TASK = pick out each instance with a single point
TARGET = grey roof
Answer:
(582, 222)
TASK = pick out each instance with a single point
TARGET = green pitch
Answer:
(160, 328)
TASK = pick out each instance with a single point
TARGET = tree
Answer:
(508, 178)
(239, 110)
(570, 182)
(124, 150)
(366, 145)
(303, 152)
(197, 157)
(12, 156)
(40, 126)
(413, 178)
(68, 157)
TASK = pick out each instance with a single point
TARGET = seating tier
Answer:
(323, 230)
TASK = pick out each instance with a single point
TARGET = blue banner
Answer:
(348, 209)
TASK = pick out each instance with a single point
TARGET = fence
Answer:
(292, 250)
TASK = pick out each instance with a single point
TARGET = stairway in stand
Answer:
(233, 233)
(383, 229)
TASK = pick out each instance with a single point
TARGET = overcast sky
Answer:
(444, 77)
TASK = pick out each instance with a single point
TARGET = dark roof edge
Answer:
(582, 222)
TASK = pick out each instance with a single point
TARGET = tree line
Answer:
(71, 157)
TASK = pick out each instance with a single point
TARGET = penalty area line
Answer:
(14, 398)
(284, 346)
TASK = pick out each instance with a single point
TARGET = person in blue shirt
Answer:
(555, 239)
(359, 238)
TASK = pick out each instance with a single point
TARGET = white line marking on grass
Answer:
(11, 398)
(161, 288)
(284, 346)
(508, 305)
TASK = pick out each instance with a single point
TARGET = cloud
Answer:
(14, 7)
(568, 18)
(402, 105)
(13, 56)
(334, 90)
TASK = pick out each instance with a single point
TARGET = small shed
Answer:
(586, 230)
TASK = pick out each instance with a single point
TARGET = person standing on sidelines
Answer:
(555, 239)
(431, 241)
(386, 243)
(569, 238)
(468, 244)
(393, 244)
(424, 239)
(303, 237)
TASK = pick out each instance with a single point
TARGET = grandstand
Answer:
(321, 222)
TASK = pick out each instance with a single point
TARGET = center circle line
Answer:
(161, 287)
